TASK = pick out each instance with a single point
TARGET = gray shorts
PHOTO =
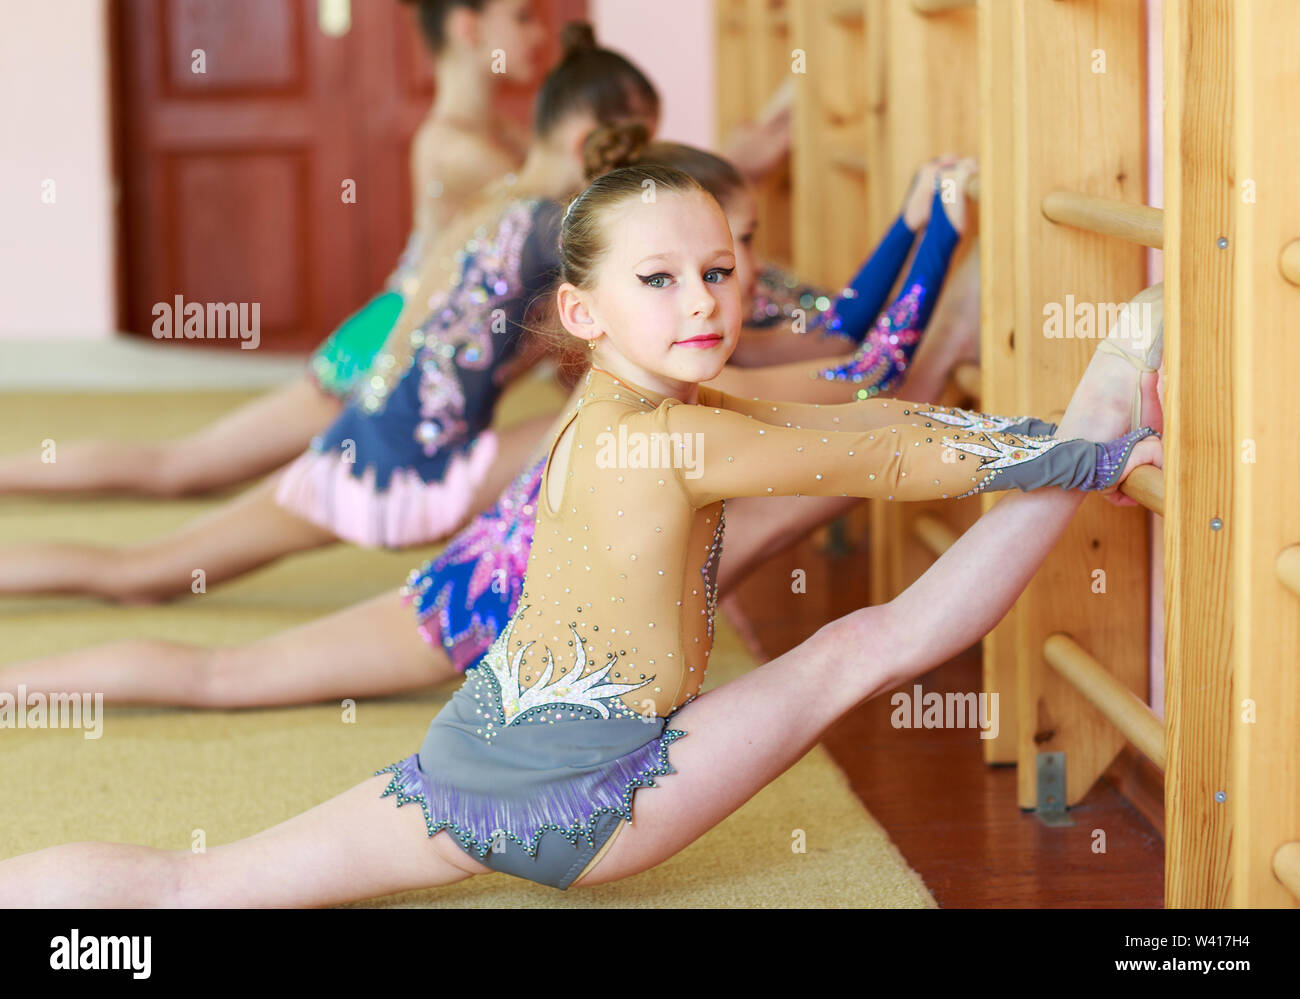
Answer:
(561, 778)
(558, 862)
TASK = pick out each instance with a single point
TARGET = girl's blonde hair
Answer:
(621, 164)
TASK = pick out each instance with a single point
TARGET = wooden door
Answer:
(239, 121)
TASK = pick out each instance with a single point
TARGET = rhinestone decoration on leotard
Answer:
(482, 823)
(965, 419)
(778, 294)
(576, 691)
(458, 330)
(479, 575)
(709, 571)
(884, 355)
(998, 455)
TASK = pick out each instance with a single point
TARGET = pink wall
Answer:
(56, 260)
(672, 42)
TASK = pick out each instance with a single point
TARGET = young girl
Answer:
(412, 454)
(533, 766)
(464, 596)
(462, 143)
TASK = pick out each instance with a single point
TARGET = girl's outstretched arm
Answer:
(928, 454)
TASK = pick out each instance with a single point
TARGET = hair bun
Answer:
(612, 146)
(577, 37)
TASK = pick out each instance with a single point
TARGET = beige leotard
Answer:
(622, 570)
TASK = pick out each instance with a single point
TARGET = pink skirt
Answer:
(320, 488)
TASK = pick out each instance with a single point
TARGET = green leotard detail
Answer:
(348, 352)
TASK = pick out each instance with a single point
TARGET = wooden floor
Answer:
(953, 817)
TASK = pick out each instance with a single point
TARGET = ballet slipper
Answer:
(1129, 326)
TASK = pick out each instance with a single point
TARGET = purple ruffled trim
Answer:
(476, 820)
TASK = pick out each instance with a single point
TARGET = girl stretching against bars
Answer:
(533, 766)
(462, 142)
(413, 454)
(464, 596)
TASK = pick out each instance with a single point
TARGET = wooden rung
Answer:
(1139, 223)
(1121, 707)
(1286, 865)
(1289, 263)
(928, 7)
(850, 161)
(1147, 486)
(966, 376)
(848, 12)
(1288, 568)
(932, 532)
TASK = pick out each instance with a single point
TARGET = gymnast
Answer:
(589, 697)
(412, 455)
(463, 596)
(463, 141)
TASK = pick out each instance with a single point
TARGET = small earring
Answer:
(591, 344)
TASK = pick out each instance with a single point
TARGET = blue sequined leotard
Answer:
(400, 465)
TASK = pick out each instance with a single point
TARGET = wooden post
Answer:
(829, 190)
(1088, 58)
(998, 391)
(929, 106)
(1264, 519)
(1200, 203)
(753, 61)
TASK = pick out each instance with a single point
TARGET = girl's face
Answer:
(742, 217)
(665, 296)
(513, 28)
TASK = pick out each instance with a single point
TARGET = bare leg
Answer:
(741, 736)
(369, 650)
(336, 655)
(354, 846)
(247, 532)
(745, 734)
(255, 439)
